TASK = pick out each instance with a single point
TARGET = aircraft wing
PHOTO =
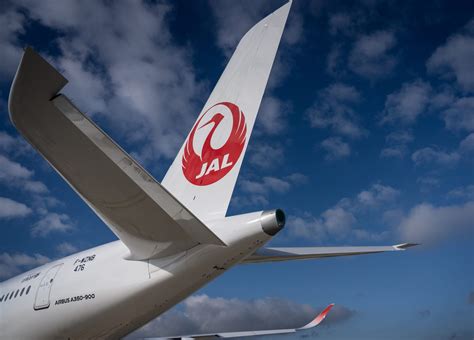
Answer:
(315, 322)
(303, 253)
(141, 212)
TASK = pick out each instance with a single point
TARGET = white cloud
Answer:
(12, 264)
(364, 235)
(343, 93)
(392, 217)
(399, 137)
(43, 203)
(377, 194)
(370, 56)
(438, 157)
(256, 192)
(204, 314)
(336, 223)
(466, 193)
(265, 156)
(297, 178)
(293, 33)
(270, 184)
(333, 109)
(427, 223)
(335, 148)
(307, 226)
(460, 115)
(254, 200)
(6, 141)
(427, 183)
(11, 209)
(467, 144)
(235, 18)
(340, 221)
(35, 187)
(442, 99)
(52, 222)
(428, 155)
(340, 23)
(16, 175)
(397, 144)
(334, 59)
(267, 185)
(66, 248)
(11, 23)
(123, 63)
(415, 98)
(393, 152)
(454, 58)
(12, 170)
(271, 116)
(86, 86)
(16, 146)
(405, 105)
(276, 185)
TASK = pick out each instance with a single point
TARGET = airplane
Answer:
(173, 237)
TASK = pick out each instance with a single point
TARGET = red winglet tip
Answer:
(326, 311)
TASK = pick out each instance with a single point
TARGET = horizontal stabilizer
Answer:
(303, 253)
(315, 322)
(143, 214)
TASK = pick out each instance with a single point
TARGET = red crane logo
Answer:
(213, 163)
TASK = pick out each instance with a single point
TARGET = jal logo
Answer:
(214, 144)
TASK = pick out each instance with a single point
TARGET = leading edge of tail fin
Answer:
(204, 173)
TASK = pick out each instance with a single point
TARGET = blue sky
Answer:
(365, 137)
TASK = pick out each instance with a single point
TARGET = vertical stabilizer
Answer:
(203, 175)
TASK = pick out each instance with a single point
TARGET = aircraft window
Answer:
(11, 295)
(1, 299)
(17, 291)
(22, 290)
(28, 290)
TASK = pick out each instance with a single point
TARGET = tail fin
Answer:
(204, 173)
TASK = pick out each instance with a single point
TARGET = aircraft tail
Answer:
(204, 173)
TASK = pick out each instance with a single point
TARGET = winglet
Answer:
(318, 319)
(232, 335)
(404, 246)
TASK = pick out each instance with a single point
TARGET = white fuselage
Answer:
(98, 293)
